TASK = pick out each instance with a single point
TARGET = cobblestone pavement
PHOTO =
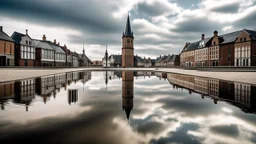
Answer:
(11, 74)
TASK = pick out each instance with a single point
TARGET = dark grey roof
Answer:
(128, 31)
(4, 36)
(191, 46)
(57, 48)
(160, 59)
(42, 44)
(173, 58)
(84, 58)
(16, 36)
(117, 58)
(252, 33)
(137, 59)
(230, 37)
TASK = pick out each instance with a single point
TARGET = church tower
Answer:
(127, 46)
(127, 92)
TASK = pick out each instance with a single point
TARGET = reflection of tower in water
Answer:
(127, 92)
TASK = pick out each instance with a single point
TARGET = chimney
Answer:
(44, 38)
(26, 32)
(215, 33)
(65, 46)
(58, 43)
(54, 41)
(1, 28)
(202, 36)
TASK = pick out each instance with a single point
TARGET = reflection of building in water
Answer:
(243, 94)
(127, 92)
(6, 92)
(60, 80)
(25, 92)
(226, 90)
(75, 76)
(201, 85)
(45, 86)
(213, 88)
(182, 80)
(235, 93)
(68, 79)
(72, 96)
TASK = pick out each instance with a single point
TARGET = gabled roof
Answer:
(252, 33)
(57, 48)
(16, 36)
(4, 36)
(42, 44)
(191, 46)
(128, 31)
(230, 37)
(117, 58)
(137, 59)
(84, 58)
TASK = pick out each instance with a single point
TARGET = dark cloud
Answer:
(180, 136)
(230, 8)
(154, 9)
(227, 130)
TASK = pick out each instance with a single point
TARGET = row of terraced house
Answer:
(232, 49)
(21, 50)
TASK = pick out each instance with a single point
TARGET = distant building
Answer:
(7, 51)
(97, 63)
(44, 53)
(84, 61)
(127, 46)
(75, 59)
(68, 55)
(60, 54)
(24, 49)
(231, 49)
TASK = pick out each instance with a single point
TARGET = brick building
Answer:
(231, 49)
(24, 49)
(6, 49)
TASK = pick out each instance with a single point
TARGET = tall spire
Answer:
(83, 49)
(128, 31)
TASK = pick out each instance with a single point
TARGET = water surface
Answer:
(127, 108)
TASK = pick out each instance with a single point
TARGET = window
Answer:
(229, 51)
(4, 47)
(128, 41)
(244, 38)
(29, 42)
(241, 39)
(11, 48)
(26, 42)
(214, 43)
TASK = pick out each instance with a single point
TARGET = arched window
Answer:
(214, 43)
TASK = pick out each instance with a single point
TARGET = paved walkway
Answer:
(18, 74)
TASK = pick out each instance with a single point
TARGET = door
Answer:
(8, 62)
(2, 61)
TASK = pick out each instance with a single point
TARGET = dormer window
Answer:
(244, 38)
(214, 43)
(29, 42)
(26, 42)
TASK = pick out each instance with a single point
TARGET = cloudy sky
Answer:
(160, 26)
